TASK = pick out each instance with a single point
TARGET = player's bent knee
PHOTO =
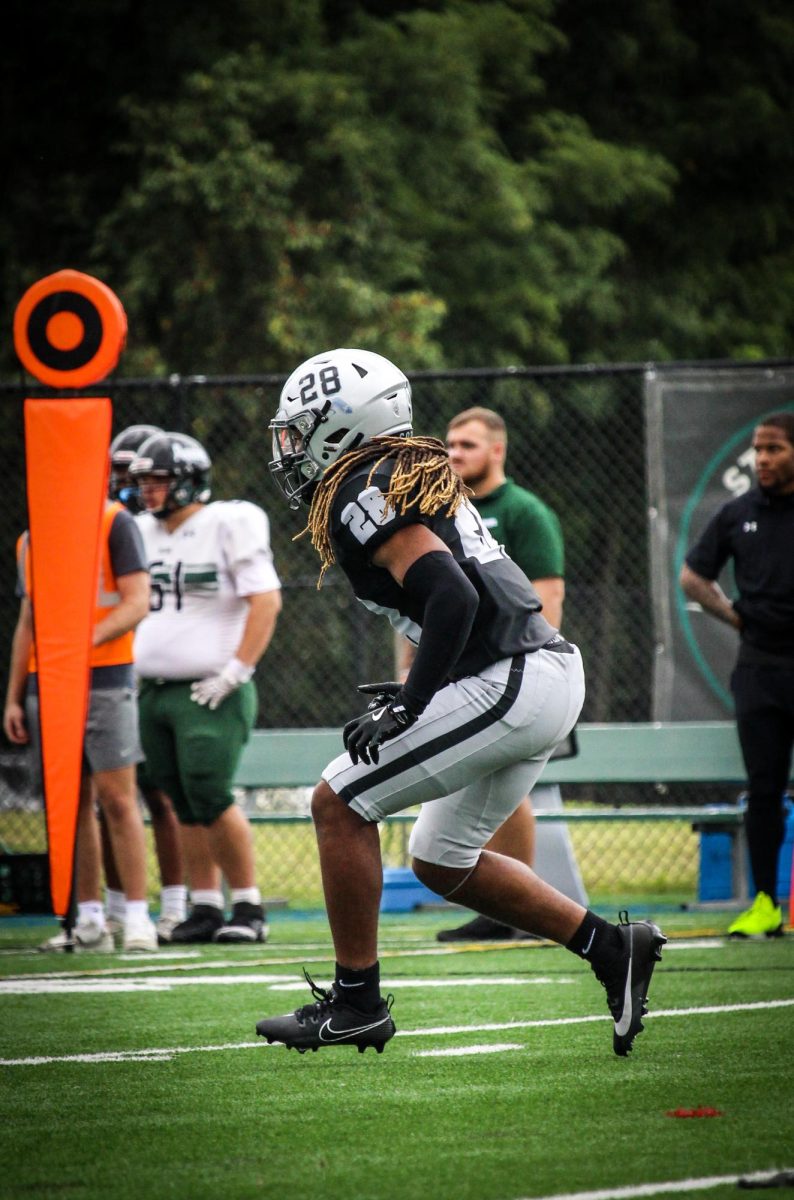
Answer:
(442, 880)
(328, 808)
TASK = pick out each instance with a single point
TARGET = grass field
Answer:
(132, 1076)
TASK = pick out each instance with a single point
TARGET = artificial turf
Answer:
(175, 1096)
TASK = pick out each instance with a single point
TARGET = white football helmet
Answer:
(332, 403)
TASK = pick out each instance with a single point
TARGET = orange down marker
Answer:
(69, 330)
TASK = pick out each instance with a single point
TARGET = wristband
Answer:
(238, 671)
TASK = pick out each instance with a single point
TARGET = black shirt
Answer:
(756, 530)
(508, 619)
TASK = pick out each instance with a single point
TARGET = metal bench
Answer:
(675, 752)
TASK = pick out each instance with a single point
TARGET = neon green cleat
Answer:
(762, 917)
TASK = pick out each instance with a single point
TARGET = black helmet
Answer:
(123, 450)
(180, 459)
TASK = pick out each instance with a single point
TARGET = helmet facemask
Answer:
(294, 472)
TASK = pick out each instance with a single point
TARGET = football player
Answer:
(215, 600)
(492, 690)
(123, 450)
(165, 826)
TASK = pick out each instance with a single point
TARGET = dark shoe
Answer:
(201, 925)
(247, 924)
(484, 929)
(627, 978)
(330, 1022)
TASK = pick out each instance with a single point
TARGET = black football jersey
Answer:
(508, 619)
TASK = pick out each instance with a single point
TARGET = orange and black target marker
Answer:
(69, 330)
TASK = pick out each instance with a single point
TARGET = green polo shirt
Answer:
(527, 528)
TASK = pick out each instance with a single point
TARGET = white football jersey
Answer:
(199, 576)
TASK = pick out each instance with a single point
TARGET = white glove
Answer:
(215, 688)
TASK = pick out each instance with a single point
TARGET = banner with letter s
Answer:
(699, 424)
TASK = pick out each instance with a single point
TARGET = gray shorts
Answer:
(476, 751)
(111, 730)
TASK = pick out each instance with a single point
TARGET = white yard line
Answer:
(461, 1051)
(448, 981)
(297, 957)
(165, 1053)
(496, 1027)
(59, 985)
(657, 1189)
(237, 963)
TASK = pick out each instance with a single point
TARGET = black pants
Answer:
(764, 699)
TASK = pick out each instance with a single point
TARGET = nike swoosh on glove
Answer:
(386, 716)
(213, 690)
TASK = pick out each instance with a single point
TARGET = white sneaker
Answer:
(115, 926)
(140, 936)
(59, 942)
(166, 924)
(93, 937)
(87, 936)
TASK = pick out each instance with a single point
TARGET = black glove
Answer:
(386, 716)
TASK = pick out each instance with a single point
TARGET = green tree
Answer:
(710, 87)
(454, 182)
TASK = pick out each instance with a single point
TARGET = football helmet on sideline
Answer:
(181, 460)
(332, 403)
(123, 449)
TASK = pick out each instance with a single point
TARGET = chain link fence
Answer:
(576, 438)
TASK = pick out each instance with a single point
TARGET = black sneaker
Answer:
(627, 978)
(330, 1022)
(246, 924)
(484, 929)
(201, 925)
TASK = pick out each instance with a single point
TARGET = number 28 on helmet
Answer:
(332, 403)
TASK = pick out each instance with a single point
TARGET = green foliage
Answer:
(450, 182)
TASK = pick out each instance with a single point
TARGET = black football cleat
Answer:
(201, 925)
(328, 1021)
(627, 979)
(246, 924)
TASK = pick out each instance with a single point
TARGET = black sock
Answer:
(594, 939)
(359, 988)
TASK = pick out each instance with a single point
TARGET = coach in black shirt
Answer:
(757, 531)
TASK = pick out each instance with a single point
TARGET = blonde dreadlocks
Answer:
(418, 461)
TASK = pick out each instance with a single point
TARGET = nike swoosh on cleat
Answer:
(338, 1035)
(624, 1024)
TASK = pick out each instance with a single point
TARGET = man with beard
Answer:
(530, 532)
(756, 530)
